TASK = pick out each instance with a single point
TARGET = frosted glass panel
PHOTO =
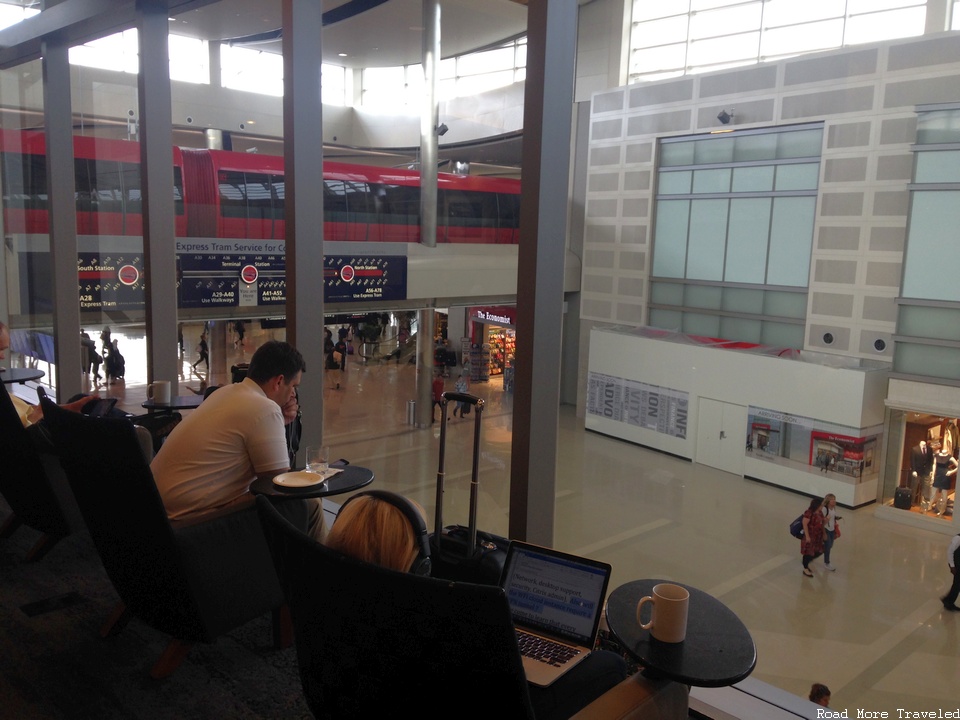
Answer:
(802, 143)
(780, 334)
(703, 296)
(929, 322)
(666, 293)
(675, 183)
(785, 304)
(670, 252)
(678, 153)
(711, 181)
(742, 300)
(713, 150)
(798, 177)
(930, 271)
(747, 240)
(666, 319)
(708, 230)
(740, 329)
(932, 360)
(938, 167)
(753, 179)
(755, 147)
(708, 325)
(791, 235)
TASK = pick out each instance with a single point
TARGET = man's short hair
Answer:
(276, 358)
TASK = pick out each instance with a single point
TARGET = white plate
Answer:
(303, 478)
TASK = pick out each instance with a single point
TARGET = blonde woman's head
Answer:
(376, 531)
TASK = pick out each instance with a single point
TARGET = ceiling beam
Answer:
(74, 22)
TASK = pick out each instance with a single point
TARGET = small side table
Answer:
(718, 650)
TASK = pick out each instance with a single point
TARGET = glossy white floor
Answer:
(874, 631)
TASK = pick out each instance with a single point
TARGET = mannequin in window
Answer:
(944, 471)
(921, 466)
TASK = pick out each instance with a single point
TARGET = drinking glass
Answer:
(318, 458)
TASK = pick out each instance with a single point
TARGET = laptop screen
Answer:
(555, 593)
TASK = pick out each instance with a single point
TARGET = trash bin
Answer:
(411, 412)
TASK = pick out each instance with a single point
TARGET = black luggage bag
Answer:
(901, 498)
(457, 552)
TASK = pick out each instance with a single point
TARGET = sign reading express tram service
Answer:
(250, 273)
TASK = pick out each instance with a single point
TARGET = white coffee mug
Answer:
(159, 392)
(668, 621)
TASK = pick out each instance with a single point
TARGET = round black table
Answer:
(352, 478)
(718, 650)
(19, 375)
(180, 402)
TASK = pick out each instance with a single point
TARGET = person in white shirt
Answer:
(235, 437)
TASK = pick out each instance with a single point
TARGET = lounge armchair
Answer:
(192, 580)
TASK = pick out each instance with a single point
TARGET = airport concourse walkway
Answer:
(874, 631)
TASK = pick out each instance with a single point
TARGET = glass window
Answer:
(929, 271)
(746, 260)
(705, 246)
(789, 12)
(251, 70)
(710, 34)
(711, 181)
(675, 183)
(661, 32)
(753, 179)
(791, 236)
(750, 232)
(670, 253)
(805, 176)
(938, 167)
(876, 26)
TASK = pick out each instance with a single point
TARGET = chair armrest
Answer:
(639, 698)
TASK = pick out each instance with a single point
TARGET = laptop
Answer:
(556, 600)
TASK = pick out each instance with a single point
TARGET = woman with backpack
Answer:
(811, 545)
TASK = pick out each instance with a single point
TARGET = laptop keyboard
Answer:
(546, 651)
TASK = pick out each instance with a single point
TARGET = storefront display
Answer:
(922, 461)
(493, 344)
(777, 437)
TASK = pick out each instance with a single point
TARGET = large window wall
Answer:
(928, 321)
(733, 233)
(674, 37)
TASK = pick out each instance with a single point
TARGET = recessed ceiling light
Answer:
(341, 54)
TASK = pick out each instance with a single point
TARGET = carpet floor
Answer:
(54, 664)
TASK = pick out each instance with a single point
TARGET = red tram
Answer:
(220, 194)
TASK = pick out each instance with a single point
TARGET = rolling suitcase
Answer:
(901, 498)
(458, 552)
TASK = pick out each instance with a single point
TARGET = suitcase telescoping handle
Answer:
(478, 403)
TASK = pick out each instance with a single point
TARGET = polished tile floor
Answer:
(874, 631)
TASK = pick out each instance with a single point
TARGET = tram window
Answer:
(24, 181)
(469, 208)
(396, 204)
(359, 207)
(107, 186)
(83, 186)
(259, 197)
(232, 200)
(509, 210)
(334, 201)
(279, 196)
(177, 191)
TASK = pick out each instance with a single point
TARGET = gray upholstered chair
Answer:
(191, 580)
(372, 641)
(34, 486)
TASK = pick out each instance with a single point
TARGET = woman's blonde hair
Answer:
(374, 531)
